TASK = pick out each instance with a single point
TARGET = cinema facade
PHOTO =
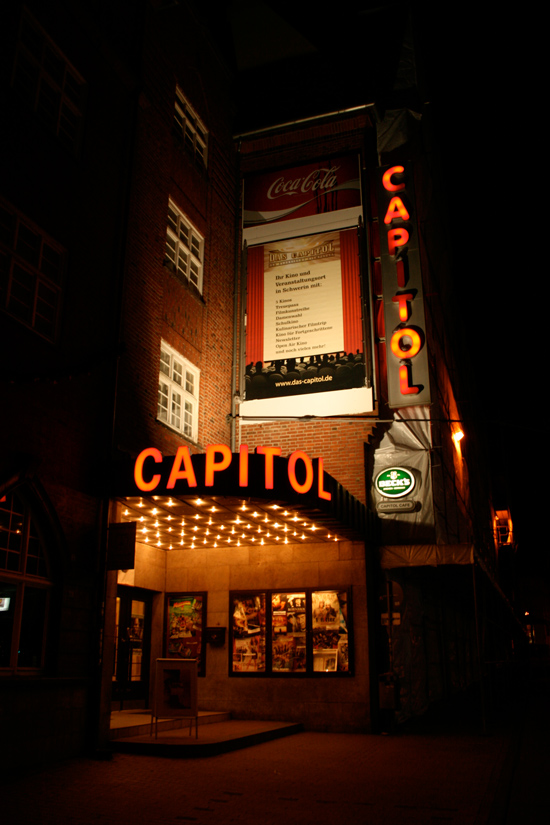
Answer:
(290, 558)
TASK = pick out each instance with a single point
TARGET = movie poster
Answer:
(304, 322)
(185, 622)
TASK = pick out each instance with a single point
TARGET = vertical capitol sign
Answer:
(407, 357)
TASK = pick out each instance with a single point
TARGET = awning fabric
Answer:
(420, 555)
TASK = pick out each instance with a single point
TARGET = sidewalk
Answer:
(439, 770)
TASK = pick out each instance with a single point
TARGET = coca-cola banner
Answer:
(304, 331)
(311, 193)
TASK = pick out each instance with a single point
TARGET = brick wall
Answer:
(157, 305)
(339, 443)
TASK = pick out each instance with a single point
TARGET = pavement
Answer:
(453, 765)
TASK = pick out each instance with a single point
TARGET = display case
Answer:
(185, 623)
(248, 625)
(329, 609)
(288, 632)
(302, 632)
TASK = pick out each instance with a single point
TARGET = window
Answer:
(189, 128)
(291, 632)
(24, 588)
(178, 392)
(46, 81)
(31, 273)
(184, 247)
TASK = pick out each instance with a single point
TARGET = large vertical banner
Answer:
(304, 331)
(304, 348)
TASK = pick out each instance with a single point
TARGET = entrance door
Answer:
(132, 647)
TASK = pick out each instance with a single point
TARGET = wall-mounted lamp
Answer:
(458, 436)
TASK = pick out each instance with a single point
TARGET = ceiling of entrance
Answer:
(176, 523)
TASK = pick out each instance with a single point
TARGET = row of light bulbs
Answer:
(184, 532)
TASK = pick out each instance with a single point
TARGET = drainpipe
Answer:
(236, 313)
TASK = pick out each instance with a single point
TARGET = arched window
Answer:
(25, 586)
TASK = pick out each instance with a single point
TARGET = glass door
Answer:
(132, 646)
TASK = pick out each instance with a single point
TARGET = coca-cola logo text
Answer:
(318, 179)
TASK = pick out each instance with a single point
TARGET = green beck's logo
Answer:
(395, 482)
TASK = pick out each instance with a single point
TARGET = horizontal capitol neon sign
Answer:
(218, 471)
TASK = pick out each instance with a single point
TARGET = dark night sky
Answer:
(483, 86)
(478, 75)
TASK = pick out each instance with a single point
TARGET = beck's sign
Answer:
(395, 482)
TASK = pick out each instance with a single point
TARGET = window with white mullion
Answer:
(175, 414)
(188, 419)
(189, 128)
(171, 248)
(177, 374)
(183, 264)
(163, 400)
(190, 383)
(165, 362)
(178, 392)
(184, 248)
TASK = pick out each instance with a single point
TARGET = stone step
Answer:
(213, 739)
(128, 723)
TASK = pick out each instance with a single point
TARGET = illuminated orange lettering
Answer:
(147, 486)
(397, 237)
(295, 484)
(243, 466)
(320, 490)
(396, 209)
(387, 179)
(182, 458)
(398, 336)
(269, 453)
(212, 466)
(405, 387)
(403, 300)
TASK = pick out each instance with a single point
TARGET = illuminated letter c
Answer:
(147, 486)
(387, 179)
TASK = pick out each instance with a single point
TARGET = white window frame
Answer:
(190, 128)
(178, 393)
(184, 247)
